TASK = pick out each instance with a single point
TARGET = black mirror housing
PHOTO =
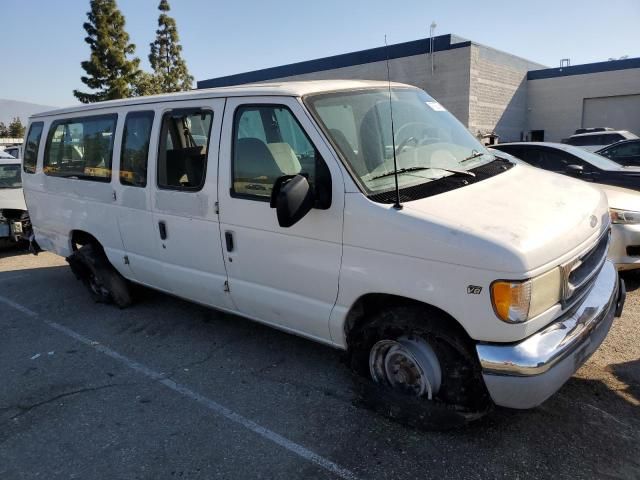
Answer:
(577, 169)
(293, 198)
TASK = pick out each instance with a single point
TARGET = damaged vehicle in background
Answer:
(14, 219)
(453, 279)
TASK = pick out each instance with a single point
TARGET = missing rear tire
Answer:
(105, 284)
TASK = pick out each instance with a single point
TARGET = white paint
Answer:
(37, 355)
(212, 405)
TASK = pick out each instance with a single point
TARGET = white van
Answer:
(487, 282)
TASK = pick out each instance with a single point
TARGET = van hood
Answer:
(516, 221)
(12, 198)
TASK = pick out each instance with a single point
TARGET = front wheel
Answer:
(414, 366)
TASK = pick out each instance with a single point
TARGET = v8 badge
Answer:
(474, 290)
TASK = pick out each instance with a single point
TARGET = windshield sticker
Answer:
(436, 106)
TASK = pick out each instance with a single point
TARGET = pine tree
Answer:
(169, 68)
(16, 129)
(146, 84)
(109, 71)
(4, 131)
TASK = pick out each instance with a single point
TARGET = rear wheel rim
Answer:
(407, 364)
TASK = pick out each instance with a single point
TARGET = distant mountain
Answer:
(13, 108)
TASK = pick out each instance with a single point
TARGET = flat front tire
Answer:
(412, 365)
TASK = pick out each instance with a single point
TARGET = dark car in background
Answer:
(573, 161)
(626, 152)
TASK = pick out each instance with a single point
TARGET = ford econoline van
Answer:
(449, 275)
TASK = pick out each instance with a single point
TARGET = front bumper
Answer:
(524, 374)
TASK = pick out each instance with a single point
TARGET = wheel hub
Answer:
(406, 364)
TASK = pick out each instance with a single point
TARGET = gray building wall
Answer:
(498, 93)
(449, 84)
(556, 104)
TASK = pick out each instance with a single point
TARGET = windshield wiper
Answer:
(471, 157)
(399, 171)
(457, 172)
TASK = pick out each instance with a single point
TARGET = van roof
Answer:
(290, 89)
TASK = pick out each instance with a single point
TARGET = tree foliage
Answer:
(4, 131)
(110, 72)
(169, 68)
(16, 129)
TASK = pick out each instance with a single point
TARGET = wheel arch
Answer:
(82, 237)
(364, 307)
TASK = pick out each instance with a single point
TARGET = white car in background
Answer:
(14, 219)
(15, 151)
(596, 140)
(624, 208)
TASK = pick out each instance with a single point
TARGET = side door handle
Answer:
(228, 238)
(163, 229)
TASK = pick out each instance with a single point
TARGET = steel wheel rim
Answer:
(406, 364)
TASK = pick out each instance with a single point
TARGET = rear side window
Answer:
(135, 148)
(81, 148)
(580, 141)
(182, 153)
(31, 147)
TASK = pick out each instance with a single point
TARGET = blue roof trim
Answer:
(406, 49)
(597, 67)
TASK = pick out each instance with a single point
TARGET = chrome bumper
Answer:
(525, 374)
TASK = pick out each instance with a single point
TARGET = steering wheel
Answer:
(412, 138)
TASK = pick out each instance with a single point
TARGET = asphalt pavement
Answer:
(169, 389)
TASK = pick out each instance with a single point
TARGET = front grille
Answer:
(580, 273)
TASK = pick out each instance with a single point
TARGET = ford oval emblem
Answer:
(593, 221)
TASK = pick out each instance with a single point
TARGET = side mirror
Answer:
(292, 198)
(575, 169)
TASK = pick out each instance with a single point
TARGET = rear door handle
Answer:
(228, 238)
(163, 229)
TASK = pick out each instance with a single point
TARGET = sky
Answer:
(43, 41)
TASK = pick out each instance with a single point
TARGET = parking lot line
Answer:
(212, 405)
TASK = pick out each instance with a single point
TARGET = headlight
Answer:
(624, 216)
(518, 301)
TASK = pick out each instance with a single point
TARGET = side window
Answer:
(135, 148)
(530, 155)
(182, 153)
(32, 147)
(81, 148)
(269, 143)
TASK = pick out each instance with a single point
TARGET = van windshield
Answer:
(429, 141)
(10, 176)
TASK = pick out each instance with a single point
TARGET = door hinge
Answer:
(216, 208)
(126, 260)
(226, 286)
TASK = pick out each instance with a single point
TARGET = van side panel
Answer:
(57, 206)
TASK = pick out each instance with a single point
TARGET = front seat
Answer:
(252, 159)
